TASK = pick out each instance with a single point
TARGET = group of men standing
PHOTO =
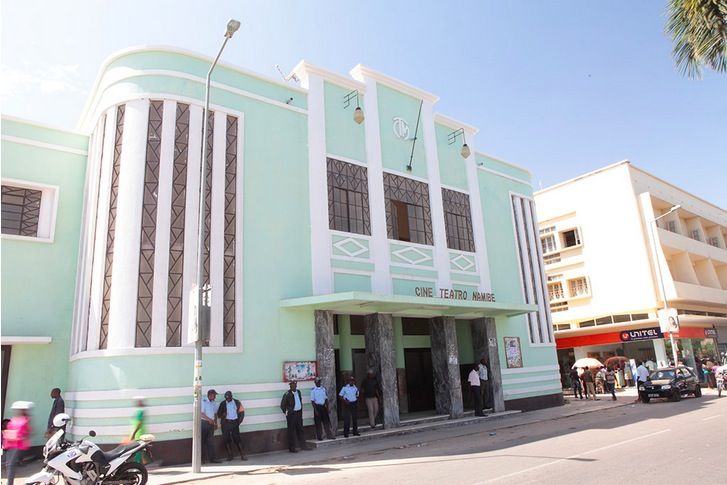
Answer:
(479, 381)
(230, 413)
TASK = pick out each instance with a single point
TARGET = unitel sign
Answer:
(641, 334)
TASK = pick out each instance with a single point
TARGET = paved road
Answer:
(638, 444)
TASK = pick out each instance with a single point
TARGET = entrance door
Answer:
(419, 379)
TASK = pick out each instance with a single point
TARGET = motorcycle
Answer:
(721, 374)
(84, 463)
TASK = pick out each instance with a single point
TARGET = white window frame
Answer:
(48, 210)
(561, 238)
(549, 236)
(587, 287)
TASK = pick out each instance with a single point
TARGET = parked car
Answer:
(671, 383)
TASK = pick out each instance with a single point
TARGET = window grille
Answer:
(579, 287)
(458, 220)
(20, 210)
(408, 215)
(348, 197)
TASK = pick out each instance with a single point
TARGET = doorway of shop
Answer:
(419, 379)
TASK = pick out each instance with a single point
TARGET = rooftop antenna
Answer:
(289, 77)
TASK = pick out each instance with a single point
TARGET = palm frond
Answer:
(698, 29)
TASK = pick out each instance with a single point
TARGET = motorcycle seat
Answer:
(119, 450)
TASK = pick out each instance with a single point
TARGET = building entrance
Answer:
(419, 379)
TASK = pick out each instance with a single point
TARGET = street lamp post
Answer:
(661, 276)
(232, 26)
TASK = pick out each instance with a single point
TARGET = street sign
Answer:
(669, 320)
(197, 331)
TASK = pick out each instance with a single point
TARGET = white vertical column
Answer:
(537, 275)
(546, 323)
(382, 283)
(318, 187)
(191, 212)
(436, 205)
(101, 231)
(217, 227)
(163, 223)
(522, 240)
(478, 219)
(125, 269)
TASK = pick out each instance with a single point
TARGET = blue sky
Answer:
(561, 87)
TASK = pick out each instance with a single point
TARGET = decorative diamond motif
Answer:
(350, 247)
(412, 255)
(462, 262)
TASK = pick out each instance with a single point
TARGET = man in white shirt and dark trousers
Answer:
(292, 406)
(642, 375)
(231, 413)
(319, 400)
(474, 380)
(209, 424)
(484, 383)
(349, 397)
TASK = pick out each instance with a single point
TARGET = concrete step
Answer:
(419, 424)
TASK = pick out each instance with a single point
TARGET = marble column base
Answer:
(326, 361)
(445, 367)
(381, 358)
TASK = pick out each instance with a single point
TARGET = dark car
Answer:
(670, 383)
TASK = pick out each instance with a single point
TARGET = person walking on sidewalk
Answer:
(611, 382)
(321, 418)
(589, 382)
(349, 398)
(484, 383)
(372, 394)
(231, 413)
(474, 380)
(292, 406)
(16, 438)
(575, 382)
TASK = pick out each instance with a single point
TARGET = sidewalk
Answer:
(377, 440)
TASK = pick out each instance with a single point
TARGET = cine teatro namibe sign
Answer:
(452, 294)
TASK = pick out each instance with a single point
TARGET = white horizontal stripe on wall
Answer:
(522, 380)
(178, 391)
(525, 390)
(525, 370)
(180, 426)
(41, 144)
(164, 409)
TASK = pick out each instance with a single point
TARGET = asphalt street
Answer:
(662, 443)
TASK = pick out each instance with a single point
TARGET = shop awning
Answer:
(361, 303)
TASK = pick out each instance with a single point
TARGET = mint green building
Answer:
(337, 242)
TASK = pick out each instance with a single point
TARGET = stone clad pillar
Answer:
(445, 366)
(484, 344)
(326, 360)
(381, 358)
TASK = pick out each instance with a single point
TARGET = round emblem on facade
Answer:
(401, 128)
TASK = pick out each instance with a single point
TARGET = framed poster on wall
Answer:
(513, 353)
(299, 371)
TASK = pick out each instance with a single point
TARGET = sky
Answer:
(560, 87)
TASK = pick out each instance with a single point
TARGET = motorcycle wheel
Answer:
(131, 474)
(697, 391)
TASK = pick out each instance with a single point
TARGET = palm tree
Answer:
(699, 31)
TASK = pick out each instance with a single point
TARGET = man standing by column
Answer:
(231, 413)
(372, 394)
(474, 380)
(57, 407)
(642, 375)
(292, 406)
(349, 396)
(209, 424)
(319, 400)
(484, 384)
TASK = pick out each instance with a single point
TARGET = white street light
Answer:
(232, 26)
(661, 275)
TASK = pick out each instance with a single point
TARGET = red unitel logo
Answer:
(625, 336)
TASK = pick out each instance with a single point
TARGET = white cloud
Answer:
(46, 79)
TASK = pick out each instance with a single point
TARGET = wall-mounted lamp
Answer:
(452, 137)
(358, 114)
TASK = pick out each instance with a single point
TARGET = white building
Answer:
(601, 265)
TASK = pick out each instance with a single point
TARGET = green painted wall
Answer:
(343, 136)
(502, 166)
(38, 279)
(395, 152)
(452, 171)
(351, 282)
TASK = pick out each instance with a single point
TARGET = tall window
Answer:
(458, 220)
(348, 197)
(408, 215)
(531, 269)
(548, 243)
(20, 210)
